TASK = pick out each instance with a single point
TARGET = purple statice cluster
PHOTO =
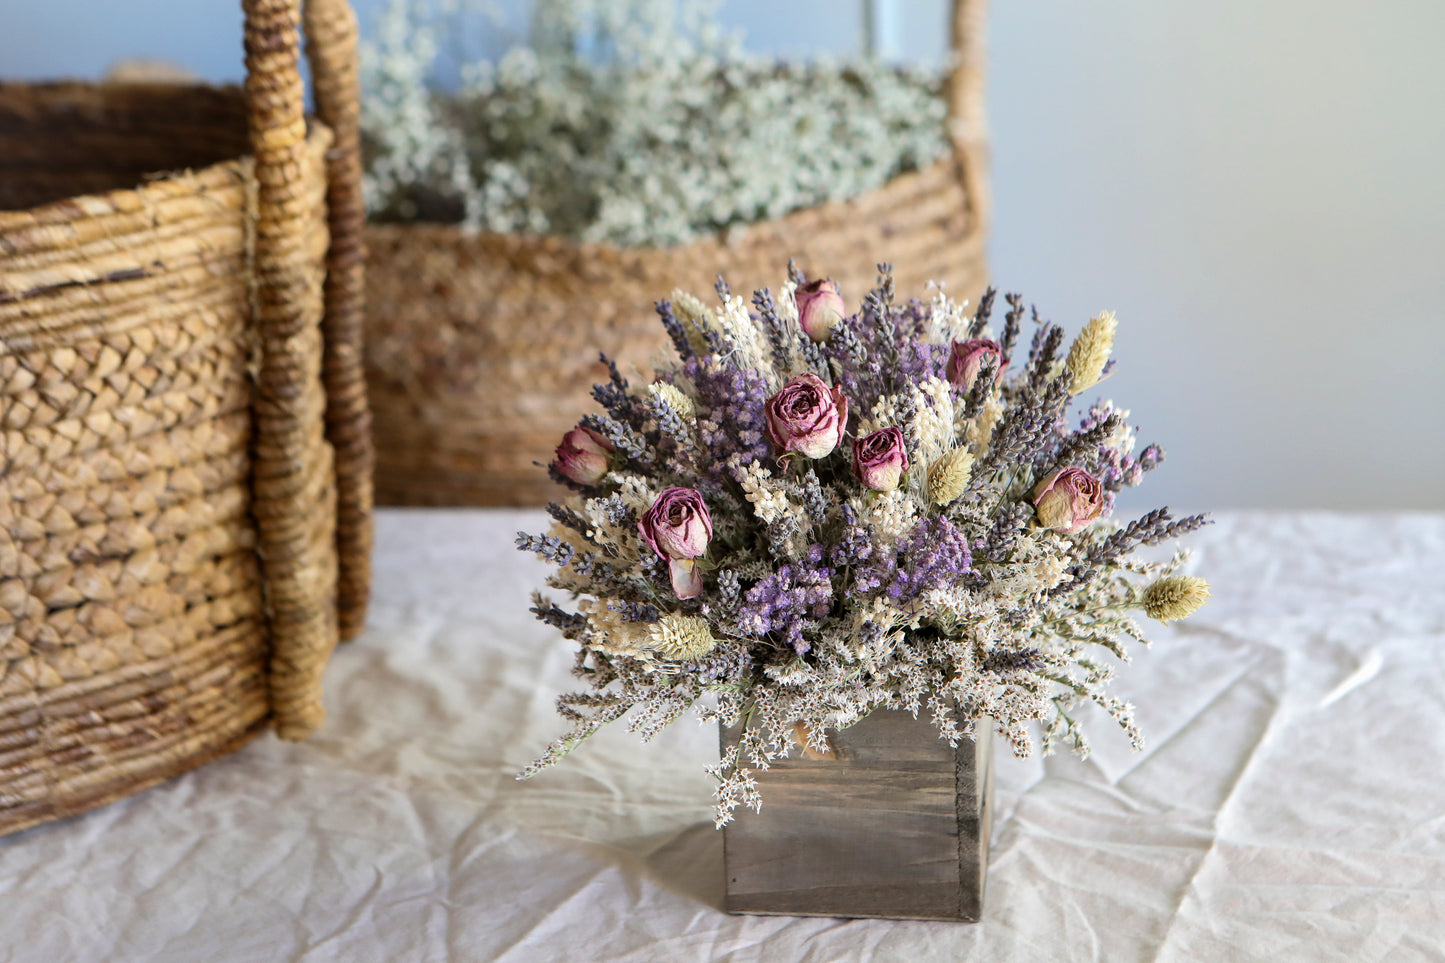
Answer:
(935, 555)
(790, 602)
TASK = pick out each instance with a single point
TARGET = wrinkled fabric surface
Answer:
(1289, 805)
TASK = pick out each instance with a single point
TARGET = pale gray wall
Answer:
(1254, 185)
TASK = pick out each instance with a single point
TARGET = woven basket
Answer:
(481, 349)
(172, 515)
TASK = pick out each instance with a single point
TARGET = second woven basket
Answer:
(481, 349)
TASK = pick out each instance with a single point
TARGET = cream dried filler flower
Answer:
(948, 478)
(1090, 352)
(781, 531)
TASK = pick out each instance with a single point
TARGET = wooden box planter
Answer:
(895, 825)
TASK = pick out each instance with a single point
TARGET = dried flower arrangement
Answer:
(636, 122)
(810, 515)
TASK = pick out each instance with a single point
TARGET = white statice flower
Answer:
(892, 514)
(934, 421)
(948, 319)
(635, 491)
(884, 414)
(1123, 437)
(622, 539)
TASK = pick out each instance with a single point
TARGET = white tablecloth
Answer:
(1290, 804)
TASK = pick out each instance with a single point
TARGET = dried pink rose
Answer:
(807, 416)
(820, 307)
(679, 527)
(880, 459)
(583, 456)
(1068, 499)
(968, 357)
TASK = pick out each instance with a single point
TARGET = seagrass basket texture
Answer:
(481, 349)
(180, 543)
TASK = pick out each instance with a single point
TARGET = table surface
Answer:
(1289, 804)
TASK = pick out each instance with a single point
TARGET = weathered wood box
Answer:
(895, 825)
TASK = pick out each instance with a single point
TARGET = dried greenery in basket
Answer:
(637, 122)
(811, 514)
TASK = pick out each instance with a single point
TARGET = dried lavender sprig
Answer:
(571, 624)
(815, 501)
(569, 518)
(675, 331)
(1041, 331)
(847, 338)
(978, 393)
(615, 398)
(724, 292)
(632, 445)
(813, 356)
(1011, 325)
(1086, 444)
(1041, 364)
(773, 327)
(878, 305)
(982, 313)
(1151, 458)
(1130, 535)
(1024, 426)
(549, 547)
(589, 565)
(636, 611)
(1011, 519)
(669, 420)
(728, 597)
(617, 511)
(1178, 529)
(907, 406)
(887, 290)
(795, 274)
(780, 532)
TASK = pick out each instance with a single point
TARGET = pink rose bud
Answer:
(678, 527)
(807, 416)
(820, 307)
(968, 357)
(880, 459)
(583, 456)
(1068, 499)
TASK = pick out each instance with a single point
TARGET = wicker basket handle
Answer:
(331, 48)
(967, 108)
(276, 107)
(290, 476)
